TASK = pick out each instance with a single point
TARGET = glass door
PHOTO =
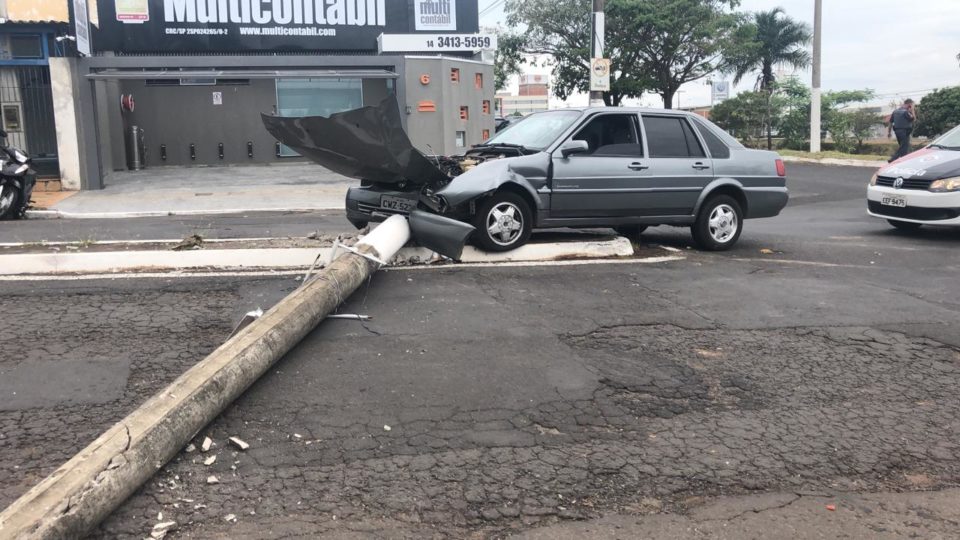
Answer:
(316, 97)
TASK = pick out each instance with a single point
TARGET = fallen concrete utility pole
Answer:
(83, 491)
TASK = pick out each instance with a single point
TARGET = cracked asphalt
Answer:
(807, 390)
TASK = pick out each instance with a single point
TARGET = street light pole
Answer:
(815, 91)
(596, 44)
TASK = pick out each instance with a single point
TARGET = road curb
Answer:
(836, 162)
(280, 258)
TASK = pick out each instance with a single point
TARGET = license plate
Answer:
(398, 204)
(893, 200)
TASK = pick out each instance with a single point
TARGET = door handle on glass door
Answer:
(637, 166)
(700, 166)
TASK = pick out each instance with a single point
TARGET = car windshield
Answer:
(951, 140)
(536, 131)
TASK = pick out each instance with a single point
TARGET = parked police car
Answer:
(922, 188)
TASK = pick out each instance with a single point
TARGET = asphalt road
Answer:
(817, 363)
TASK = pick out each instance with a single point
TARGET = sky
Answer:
(898, 48)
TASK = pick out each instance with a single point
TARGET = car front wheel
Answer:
(904, 225)
(504, 221)
(718, 224)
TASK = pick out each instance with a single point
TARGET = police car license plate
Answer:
(894, 200)
(396, 203)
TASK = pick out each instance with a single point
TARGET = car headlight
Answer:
(945, 185)
(873, 179)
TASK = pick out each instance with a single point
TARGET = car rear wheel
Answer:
(9, 201)
(904, 225)
(718, 224)
(504, 221)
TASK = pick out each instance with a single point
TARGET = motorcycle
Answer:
(16, 180)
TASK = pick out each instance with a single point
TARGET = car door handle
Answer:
(637, 166)
(700, 166)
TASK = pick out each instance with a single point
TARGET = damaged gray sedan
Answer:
(597, 167)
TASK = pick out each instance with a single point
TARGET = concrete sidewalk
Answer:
(187, 191)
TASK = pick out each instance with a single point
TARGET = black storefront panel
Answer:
(199, 26)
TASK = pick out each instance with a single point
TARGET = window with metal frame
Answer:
(612, 135)
(26, 46)
(671, 137)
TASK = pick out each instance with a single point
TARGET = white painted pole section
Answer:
(388, 237)
(815, 90)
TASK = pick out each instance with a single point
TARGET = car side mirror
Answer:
(573, 147)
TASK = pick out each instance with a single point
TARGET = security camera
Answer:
(65, 38)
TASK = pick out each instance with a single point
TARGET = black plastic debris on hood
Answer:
(368, 143)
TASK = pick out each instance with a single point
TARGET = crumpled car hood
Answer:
(367, 144)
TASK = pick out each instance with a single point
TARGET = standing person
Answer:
(901, 123)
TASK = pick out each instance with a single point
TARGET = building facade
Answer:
(29, 35)
(533, 96)
(186, 81)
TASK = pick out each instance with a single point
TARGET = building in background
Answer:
(174, 91)
(533, 96)
(28, 39)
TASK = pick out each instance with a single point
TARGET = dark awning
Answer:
(245, 74)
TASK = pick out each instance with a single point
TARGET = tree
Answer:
(747, 115)
(653, 45)
(508, 58)
(776, 40)
(561, 29)
(938, 112)
(680, 41)
(795, 123)
(861, 123)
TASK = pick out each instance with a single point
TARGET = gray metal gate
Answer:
(26, 114)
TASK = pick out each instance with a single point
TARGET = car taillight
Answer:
(781, 168)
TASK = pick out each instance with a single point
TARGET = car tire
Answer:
(904, 225)
(358, 224)
(503, 221)
(718, 224)
(9, 202)
(632, 232)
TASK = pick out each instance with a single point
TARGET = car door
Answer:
(610, 178)
(679, 166)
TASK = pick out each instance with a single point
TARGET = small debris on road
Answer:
(238, 443)
(297, 436)
(386, 427)
(194, 241)
(190, 448)
(766, 251)
(213, 480)
(207, 443)
(161, 529)
(832, 507)
(230, 518)
(210, 461)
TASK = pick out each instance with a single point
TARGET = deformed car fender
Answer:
(487, 178)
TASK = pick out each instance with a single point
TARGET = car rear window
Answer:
(718, 149)
(671, 137)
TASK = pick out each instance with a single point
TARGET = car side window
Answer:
(718, 149)
(612, 135)
(671, 137)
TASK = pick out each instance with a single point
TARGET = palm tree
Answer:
(779, 40)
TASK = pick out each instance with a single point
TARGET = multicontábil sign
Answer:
(273, 25)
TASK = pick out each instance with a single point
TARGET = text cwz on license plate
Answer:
(398, 204)
(893, 200)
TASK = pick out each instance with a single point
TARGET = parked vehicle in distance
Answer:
(503, 122)
(625, 168)
(922, 188)
(16, 180)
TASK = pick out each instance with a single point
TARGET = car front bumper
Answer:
(922, 206)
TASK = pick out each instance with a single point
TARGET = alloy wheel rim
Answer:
(6, 198)
(504, 223)
(723, 223)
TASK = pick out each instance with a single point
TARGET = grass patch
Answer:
(833, 155)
